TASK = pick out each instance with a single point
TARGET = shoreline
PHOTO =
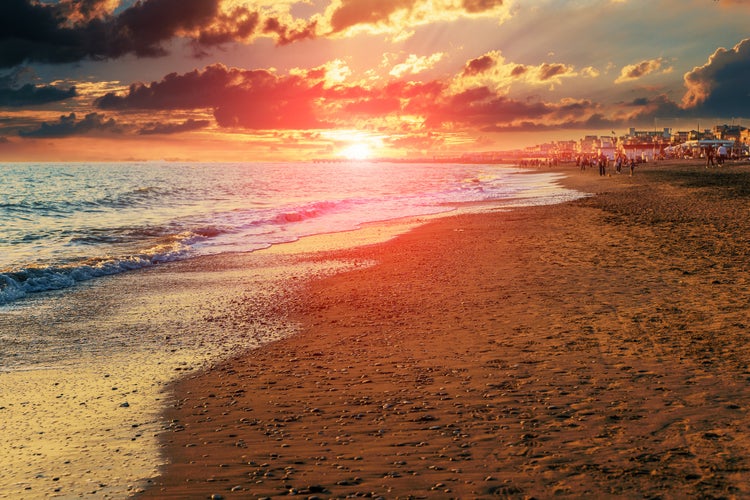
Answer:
(585, 349)
(86, 423)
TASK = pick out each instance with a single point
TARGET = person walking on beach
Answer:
(710, 156)
(722, 155)
(632, 166)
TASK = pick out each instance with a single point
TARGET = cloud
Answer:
(31, 95)
(414, 64)
(286, 33)
(641, 69)
(188, 125)
(13, 94)
(253, 99)
(720, 87)
(73, 30)
(66, 126)
(479, 65)
(192, 90)
(321, 98)
(479, 107)
(397, 16)
(493, 71)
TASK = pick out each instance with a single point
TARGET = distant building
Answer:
(589, 145)
(608, 147)
(728, 132)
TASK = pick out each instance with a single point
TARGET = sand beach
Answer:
(597, 348)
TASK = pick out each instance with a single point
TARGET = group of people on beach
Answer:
(720, 154)
(602, 161)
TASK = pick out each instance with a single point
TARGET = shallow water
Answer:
(62, 224)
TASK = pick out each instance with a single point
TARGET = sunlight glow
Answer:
(357, 152)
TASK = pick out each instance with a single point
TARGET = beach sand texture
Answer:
(597, 348)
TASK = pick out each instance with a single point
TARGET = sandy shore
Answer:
(592, 349)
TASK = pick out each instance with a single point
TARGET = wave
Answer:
(307, 211)
(18, 284)
(136, 197)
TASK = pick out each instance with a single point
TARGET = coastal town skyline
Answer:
(231, 80)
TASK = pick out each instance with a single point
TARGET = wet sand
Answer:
(596, 348)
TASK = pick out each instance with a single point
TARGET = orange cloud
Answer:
(398, 16)
(493, 71)
(415, 64)
(641, 69)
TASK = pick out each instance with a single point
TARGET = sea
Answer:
(83, 371)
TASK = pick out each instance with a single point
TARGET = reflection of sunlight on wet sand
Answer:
(85, 429)
(88, 425)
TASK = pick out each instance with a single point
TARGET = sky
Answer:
(287, 80)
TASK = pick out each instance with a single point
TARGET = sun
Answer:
(357, 152)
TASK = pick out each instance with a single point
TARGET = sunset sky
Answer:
(216, 80)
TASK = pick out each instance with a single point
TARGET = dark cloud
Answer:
(476, 6)
(13, 93)
(519, 70)
(254, 99)
(480, 107)
(720, 87)
(479, 65)
(549, 71)
(69, 125)
(240, 24)
(594, 122)
(142, 28)
(74, 30)
(174, 128)
(350, 13)
(193, 90)
(30, 95)
(286, 34)
(354, 12)
(31, 31)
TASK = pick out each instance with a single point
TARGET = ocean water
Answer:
(90, 338)
(61, 224)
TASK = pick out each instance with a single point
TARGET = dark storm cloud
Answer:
(174, 128)
(30, 95)
(76, 30)
(69, 125)
(196, 89)
(720, 87)
(31, 31)
(14, 94)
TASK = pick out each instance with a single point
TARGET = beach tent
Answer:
(697, 147)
